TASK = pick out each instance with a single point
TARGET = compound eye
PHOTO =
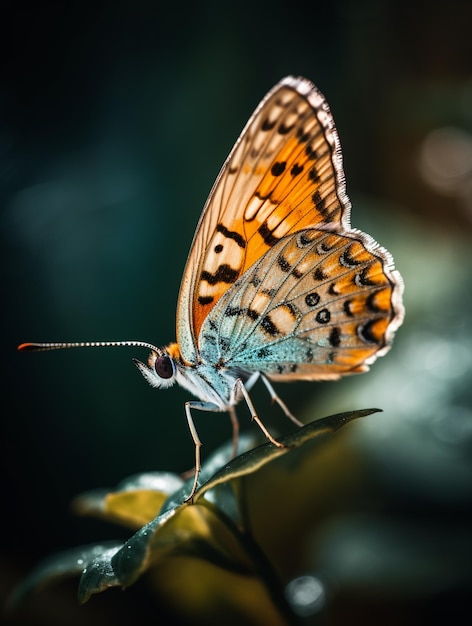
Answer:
(164, 366)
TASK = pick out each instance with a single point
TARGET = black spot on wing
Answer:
(203, 300)
(372, 304)
(269, 326)
(255, 281)
(367, 332)
(347, 259)
(296, 169)
(313, 175)
(319, 275)
(320, 205)
(302, 136)
(347, 308)
(224, 274)
(303, 240)
(278, 168)
(323, 316)
(231, 234)
(335, 337)
(233, 311)
(268, 124)
(312, 299)
(252, 314)
(294, 312)
(263, 353)
(311, 153)
(323, 248)
(283, 129)
(266, 234)
(283, 264)
(362, 280)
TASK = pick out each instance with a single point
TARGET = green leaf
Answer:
(125, 565)
(254, 459)
(134, 502)
(122, 566)
(208, 531)
(61, 565)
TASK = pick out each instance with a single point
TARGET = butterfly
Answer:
(277, 285)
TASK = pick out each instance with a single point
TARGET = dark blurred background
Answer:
(115, 118)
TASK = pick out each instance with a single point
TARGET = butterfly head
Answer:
(161, 368)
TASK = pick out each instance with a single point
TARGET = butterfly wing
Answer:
(316, 306)
(283, 175)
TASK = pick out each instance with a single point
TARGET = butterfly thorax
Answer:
(209, 383)
(209, 378)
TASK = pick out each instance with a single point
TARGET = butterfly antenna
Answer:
(39, 347)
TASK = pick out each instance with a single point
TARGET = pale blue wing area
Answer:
(316, 305)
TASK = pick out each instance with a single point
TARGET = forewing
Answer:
(318, 305)
(283, 175)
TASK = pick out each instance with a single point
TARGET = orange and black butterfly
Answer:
(277, 285)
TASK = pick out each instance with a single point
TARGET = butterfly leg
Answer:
(280, 402)
(200, 406)
(240, 386)
(235, 424)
